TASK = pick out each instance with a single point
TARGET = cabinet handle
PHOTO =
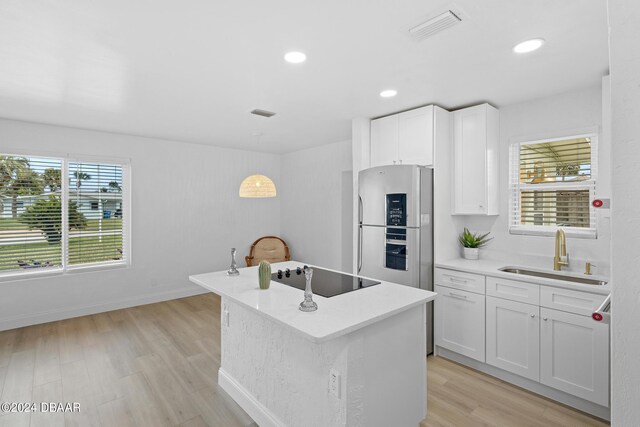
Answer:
(544, 318)
(400, 161)
(454, 279)
(451, 294)
(533, 315)
(394, 162)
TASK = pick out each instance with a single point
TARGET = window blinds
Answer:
(30, 213)
(95, 196)
(57, 214)
(558, 161)
(552, 185)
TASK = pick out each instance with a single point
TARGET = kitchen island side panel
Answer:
(382, 370)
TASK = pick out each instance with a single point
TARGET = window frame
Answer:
(66, 268)
(516, 188)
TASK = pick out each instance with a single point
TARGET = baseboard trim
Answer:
(533, 386)
(68, 313)
(256, 410)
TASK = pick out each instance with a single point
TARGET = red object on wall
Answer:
(597, 316)
(597, 203)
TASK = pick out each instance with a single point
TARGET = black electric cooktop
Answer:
(324, 282)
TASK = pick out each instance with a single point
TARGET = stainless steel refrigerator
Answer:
(396, 230)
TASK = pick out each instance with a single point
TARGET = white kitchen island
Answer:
(359, 360)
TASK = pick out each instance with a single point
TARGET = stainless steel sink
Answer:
(554, 276)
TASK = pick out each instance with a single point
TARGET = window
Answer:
(553, 183)
(51, 223)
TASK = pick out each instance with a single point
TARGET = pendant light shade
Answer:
(257, 186)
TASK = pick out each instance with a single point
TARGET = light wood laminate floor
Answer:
(156, 365)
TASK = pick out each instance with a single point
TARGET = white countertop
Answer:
(491, 268)
(336, 316)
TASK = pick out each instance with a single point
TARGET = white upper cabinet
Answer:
(475, 161)
(404, 138)
(415, 136)
(384, 141)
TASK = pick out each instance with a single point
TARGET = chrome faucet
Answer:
(561, 251)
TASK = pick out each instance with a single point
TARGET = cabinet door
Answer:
(459, 322)
(513, 337)
(574, 355)
(415, 137)
(384, 141)
(469, 160)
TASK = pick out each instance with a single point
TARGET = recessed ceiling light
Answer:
(528, 46)
(295, 57)
(388, 93)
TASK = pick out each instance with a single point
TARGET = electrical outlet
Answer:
(334, 382)
(225, 317)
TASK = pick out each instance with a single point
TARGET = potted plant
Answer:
(472, 242)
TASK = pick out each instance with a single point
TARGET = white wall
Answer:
(186, 215)
(316, 205)
(445, 226)
(624, 52)
(559, 115)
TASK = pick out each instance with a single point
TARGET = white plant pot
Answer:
(471, 253)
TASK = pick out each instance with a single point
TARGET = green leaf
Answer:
(473, 240)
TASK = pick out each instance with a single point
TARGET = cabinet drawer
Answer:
(459, 280)
(569, 300)
(513, 290)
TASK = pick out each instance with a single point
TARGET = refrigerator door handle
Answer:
(359, 248)
(360, 210)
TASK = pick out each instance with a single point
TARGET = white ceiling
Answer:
(192, 70)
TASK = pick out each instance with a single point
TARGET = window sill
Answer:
(551, 232)
(55, 272)
(86, 268)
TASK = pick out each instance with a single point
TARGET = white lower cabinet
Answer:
(542, 333)
(574, 355)
(513, 337)
(459, 322)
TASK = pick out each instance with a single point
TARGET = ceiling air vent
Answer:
(434, 25)
(263, 113)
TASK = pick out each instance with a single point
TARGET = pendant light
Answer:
(257, 186)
